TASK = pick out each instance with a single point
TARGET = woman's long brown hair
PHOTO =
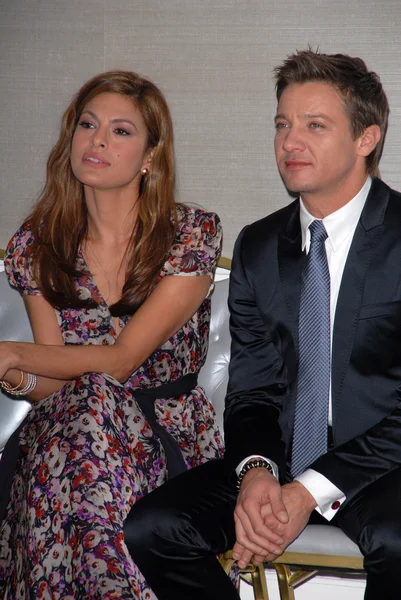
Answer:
(59, 219)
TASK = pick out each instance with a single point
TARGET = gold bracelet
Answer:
(8, 387)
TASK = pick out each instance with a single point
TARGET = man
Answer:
(313, 409)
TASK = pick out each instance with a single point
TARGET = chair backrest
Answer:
(214, 374)
(14, 325)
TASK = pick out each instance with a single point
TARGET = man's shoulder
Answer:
(382, 189)
(395, 195)
(383, 206)
(272, 224)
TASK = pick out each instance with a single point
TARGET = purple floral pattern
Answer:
(88, 452)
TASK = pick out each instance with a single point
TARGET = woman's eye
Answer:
(86, 124)
(120, 131)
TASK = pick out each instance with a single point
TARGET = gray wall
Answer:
(212, 58)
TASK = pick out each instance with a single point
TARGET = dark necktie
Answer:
(311, 408)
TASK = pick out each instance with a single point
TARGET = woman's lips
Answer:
(95, 160)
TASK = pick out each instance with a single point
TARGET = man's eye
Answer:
(281, 125)
(315, 125)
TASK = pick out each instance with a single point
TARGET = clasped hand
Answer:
(268, 516)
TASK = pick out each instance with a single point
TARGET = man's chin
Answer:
(292, 181)
(291, 187)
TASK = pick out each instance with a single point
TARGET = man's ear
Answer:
(369, 140)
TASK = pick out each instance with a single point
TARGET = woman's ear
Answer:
(148, 159)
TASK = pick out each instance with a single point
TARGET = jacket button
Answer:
(336, 505)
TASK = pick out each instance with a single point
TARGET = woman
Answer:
(116, 409)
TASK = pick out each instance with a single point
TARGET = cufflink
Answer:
(336, 505)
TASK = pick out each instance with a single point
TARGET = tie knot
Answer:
(318, 232)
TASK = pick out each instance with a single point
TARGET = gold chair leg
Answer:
(287, 581)
(253, 575)
(259, 583)
(226, 561)
(284, 577)
(256, 577)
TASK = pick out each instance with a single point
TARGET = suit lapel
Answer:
(363, 247)
(291, 261)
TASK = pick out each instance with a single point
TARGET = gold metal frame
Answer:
(326, 561)
(224, 263)
(255, 575)
(291, 572)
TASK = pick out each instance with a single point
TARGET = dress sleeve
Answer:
(197, 246)
(17, 263)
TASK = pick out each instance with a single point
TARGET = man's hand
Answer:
(260, 495)
(299, 504)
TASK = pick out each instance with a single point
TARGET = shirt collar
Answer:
(339, 224)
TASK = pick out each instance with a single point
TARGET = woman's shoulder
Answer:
(19, 242)
(197, 245)
(17, 261)
(194, 217)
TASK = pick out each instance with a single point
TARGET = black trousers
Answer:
(175, 532)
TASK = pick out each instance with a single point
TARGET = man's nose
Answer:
(293, 140)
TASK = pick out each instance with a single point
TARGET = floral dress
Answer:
(88, 452)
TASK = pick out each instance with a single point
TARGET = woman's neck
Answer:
(112, 216)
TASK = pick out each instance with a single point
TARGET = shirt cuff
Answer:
(328, 497)
(251, 457)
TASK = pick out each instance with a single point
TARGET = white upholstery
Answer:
(214, 373)
(324, 539)
(14, 325)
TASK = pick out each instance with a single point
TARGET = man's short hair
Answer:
(364, 98)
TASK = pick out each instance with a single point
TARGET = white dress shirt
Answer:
(340, 227)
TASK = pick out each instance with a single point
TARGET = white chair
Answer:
(319, 546)
(14, 325)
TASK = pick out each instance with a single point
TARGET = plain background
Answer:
(213, 59)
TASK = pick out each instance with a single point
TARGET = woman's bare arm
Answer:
(172, 303)
(45, 330)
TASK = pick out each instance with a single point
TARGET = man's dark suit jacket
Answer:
(366, 353)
